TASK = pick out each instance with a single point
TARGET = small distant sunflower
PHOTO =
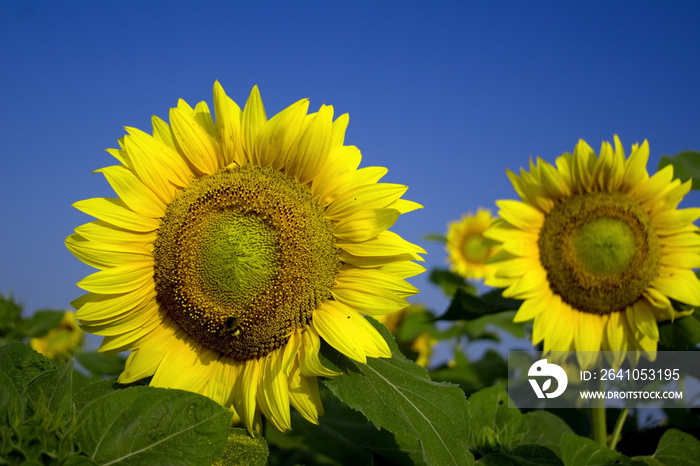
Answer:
(597, 248)
(235, 244)
(467, 247)
(62, 342)
(408, 326)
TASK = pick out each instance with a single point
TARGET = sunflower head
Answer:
(467, 248)
(61, 342)
(597, 249)
(234, 245)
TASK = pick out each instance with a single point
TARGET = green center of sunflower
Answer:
(242, 259)
(599, 251)
(474, 249)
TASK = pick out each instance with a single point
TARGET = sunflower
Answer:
(62, 342)
(597, 249)
(236, 244)
(467, 248)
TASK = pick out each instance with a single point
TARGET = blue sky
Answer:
(447, 95)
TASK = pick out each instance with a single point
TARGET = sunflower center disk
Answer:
(243, 257)
(474, 249)
(599, 251)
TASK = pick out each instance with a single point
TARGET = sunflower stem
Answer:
(600, 434)
(615, 437)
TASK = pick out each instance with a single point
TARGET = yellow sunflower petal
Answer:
(372, 196)
(387, 243)
(99, 307)
(365, 224)
(358, 340)
(403, 269)
(273, 393)
(103, 256)
(312, 147)
(341, 163)
(139, 365)
(193, 141)
(640, 317)
(252, 120)
(363, 279)
(228, 125)
(304, 395)
(120, 279)
(678, 284)
(157, 164)
(225, 376)
(115, 212)
(309, 361)
(278, 134)
(521, 215)
(102, 232)
(244, 400)
(635, 167)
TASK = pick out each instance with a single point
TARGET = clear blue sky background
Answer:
(446, 94)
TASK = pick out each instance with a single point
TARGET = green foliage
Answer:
(398, 395)
(472, 376)
(243, 450)
(582, 451)
(680, 335)
(450, 282)
(501, 435)
(37, 325)
(467, 306)
(146, 425)
(10, 314)
(35, 407)
(101, 364)
(675, 448)
(341, 435)
(686, 165)
(44, 420)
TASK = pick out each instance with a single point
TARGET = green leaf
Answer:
(10, 402)
(582, 451)
(39, 324)
(675, 448)
(465, 306)
(53, 390)
(243, 450)
(545, 429)
(398, 395)
(680, 335)
(342, 436)
(10, 315)
(102, 364)
(90, 393)
(494, 426)
(500, 432)
(43, 429)
(22, 364)
(472, 376)
(78, 460)
(435, 237)
(686, 165)
(523, 455)
(450, 282)
(147, 425)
